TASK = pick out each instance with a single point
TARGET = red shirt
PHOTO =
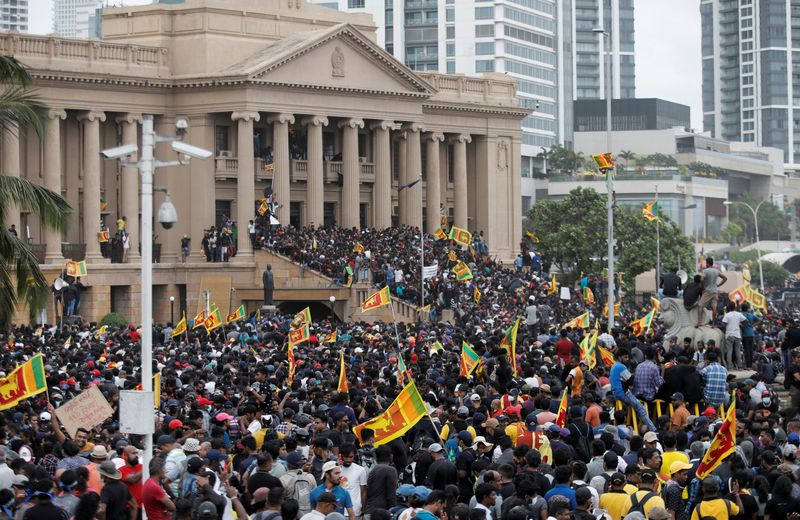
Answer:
(152, 493)
(135, 489)
(564, 349)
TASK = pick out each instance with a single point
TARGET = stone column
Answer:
(460, 180)
(281, 173)
(52, 179)
(382, 190)
(131, 184)
(245, 182)
(11, 168)
(413, 172)
(433, 195)
(402, 160)
(315, 184)
(202, 188)
(351, 171)
(91, 183)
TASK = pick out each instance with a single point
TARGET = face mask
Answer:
(706, 444)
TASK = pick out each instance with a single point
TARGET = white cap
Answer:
(44, 416)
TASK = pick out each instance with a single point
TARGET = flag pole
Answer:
(394, 322)
(658, 244)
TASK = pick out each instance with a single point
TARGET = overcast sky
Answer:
(667, 48)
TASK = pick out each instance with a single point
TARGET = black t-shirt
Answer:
(792, 339)
(441, 474)
(671, 284)
(115, 496)
(748, 509)
(779, 508)
(261, 479)
(793, 369)
(46, 511)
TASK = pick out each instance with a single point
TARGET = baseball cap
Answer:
(165, 439)
(650, 437)
(465, 437)
(406, 490)
(475, 397)
(677, 396)
(422, 492)
(175, 423)
(491, 423)
(648, 475)
(708, 412)
(207, 510)
(617, 479)
(222, 416)
(679, 466)
(295, 459)
(462, 411)
(331, 464)
(435, 448)
(215, 455)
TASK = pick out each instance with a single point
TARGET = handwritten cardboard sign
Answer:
(87, 410)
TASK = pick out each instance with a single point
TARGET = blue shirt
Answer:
(343, 499)
(565, 491)
(618, 373)
(747, 326)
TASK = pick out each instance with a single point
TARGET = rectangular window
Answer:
(389, 17)
(482, 48)
(748, 114)
(484, 13)
(355, 4)
(450, 32)
(747, 22)
(747, 91)
(747, 103)
(748, 125)
(526, 200)
(747, 57)
(484, 66)
(451, 50)
(450, 15)
(451, 67)
(747, 80)
(484, 31)
(222, 140)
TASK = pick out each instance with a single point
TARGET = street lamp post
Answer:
(603, 34)
(172, 309)
(332, 299)
(758, 238)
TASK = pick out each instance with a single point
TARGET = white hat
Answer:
(331, 464)
(44, 416)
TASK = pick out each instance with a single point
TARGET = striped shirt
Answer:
(716, 390)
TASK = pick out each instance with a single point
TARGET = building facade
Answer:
(630, 114)
(14, 15)
(751, 51)
(76, 18)
(290, 96)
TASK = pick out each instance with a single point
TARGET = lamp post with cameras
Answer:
(758, 239)
(167, 216)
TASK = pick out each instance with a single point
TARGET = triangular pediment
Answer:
(340, 58)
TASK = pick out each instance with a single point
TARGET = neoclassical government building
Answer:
(289, 96)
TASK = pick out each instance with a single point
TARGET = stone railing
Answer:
(299, 170)
(332, 170)
(228, 168)
(490, 88)
(367, 172)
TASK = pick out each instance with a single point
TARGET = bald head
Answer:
(131, 455)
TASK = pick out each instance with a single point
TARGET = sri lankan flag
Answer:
(102, 330)
(509, 343)
(102, 236)
(757, 300)
(584, 348)
(358, 248)
(616, 310)
(406, 410)
(332, 337)
(461, 236)
(650, 210)
(580, 322)
(301, 318)
(437, 347)
(76, 268)
(180, 328)
(342, 388)
(739, 294)
(552, 289)
(603, 161)
(263, 208)
(469, 359)
(606, 356)
(199, 319)
(591, 360)
(290, 356)
(25, 381)
(235, 316)
(440, 234)
(588, 296)
(298, 336)
(643, 324)
(656, 303)
(534, 239)
(462, 271)
(561, 416)
(476, 294)
(724, 444)
(213, 321)
(452, 256)
(379, 299)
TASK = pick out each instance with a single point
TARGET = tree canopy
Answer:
(772, 222)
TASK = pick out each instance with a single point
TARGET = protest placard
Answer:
(87, 410)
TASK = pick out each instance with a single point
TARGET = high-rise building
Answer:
(14, 15)
(76, 18)
(751, 52)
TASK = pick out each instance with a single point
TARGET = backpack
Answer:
(607, 483)
(637, 505)
(273, 515)
(300, 490)
(581, 445)
(709, 517)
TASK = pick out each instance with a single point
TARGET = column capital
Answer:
(352, 123)
(92, 116)
(129, 118)
(382, 125)
(461, 138)
(314, 121)
(57, 113)
(435, 136)
(246, 116)
(413, 127)
(281, 118)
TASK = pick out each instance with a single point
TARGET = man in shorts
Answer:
(712, 279)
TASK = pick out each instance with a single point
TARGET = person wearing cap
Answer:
(673, 490)
(464, 461)
(325, 505)
(98, 456)
(646, 497)
(115, 499)
(155, 500)
(613, 499)
(331, 479)
(531, 317)
(680, 415)
(442, 472)
(713, 505)
(297, 483)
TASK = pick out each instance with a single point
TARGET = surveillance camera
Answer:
(191, 151)
(120, 151)
(167, 215)
(181, 123)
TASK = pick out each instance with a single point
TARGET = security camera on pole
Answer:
(167, 216)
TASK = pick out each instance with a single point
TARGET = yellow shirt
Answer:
(613, 502)
(668, 457)
(654, 501)
(716, 508)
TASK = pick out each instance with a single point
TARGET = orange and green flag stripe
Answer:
(24, 382)
(469, 359)
(404, 412)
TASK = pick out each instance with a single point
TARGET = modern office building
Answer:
(14, 15)
(76, 18)
(630, 114)
(751, 52)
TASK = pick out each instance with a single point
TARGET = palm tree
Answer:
(21, 109)
(543, 155)
(627, 155)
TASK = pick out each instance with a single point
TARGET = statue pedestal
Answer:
(448, 316)
(268, 311)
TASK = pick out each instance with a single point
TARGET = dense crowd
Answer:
(236, 439)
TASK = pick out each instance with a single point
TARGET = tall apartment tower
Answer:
(751, 50)
(14, 15)
(76, 18)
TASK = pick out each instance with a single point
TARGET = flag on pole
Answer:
(643, 324)
(298, 336)
(616, 310)
(67, 343)
(76, 268)
(401, 370)
(199, 319)
(452, 256)
(213, 321)
(25, 381)
(532, 237)
(358, 248)
(509, 344)
(650, 210)
(332, 337)
(437, 347)
(606, 356)
(462, 271)
(180, 328)
(102, 236)
(591, 360)
(342, 387)
(656, 303)
(552, 289)
(588, 296)
(739, 294)
(603, 161)
(379, 299)
(758, 300)
(561, 416)
(235, 316)
(461, 236)
(724, 444)
(301, 318)
(476, 294)
(440, 234)
(290, 357)
(263, 208)
(580, 322)
(469, 359)
(102, 330)
(404, 412)
(584, 348)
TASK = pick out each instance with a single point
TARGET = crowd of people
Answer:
(235, 438)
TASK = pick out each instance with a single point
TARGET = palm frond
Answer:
(12, 71)
(22, 108)
(16, 261)
(50, 207)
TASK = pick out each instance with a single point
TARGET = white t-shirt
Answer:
(313, 515)
(356, 477)
(733, 321)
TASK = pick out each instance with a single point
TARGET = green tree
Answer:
(627, 156)
(731, 232)
(20, 276)
(772, 222)
(774, 275)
